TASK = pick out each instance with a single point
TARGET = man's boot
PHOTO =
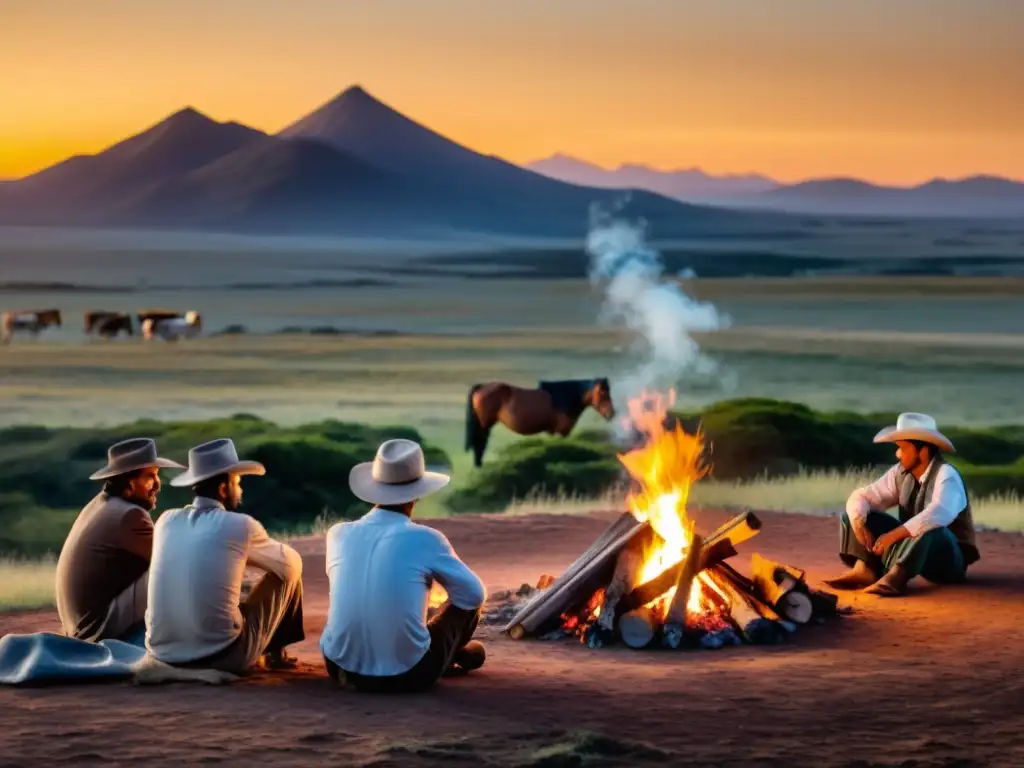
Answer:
(858, 577)
(893, 584)
(469, 657)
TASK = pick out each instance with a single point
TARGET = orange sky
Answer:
(896, 91)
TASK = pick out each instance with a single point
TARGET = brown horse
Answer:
(31, 320)
(554, 407)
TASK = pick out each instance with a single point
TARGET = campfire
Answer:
(652, 579)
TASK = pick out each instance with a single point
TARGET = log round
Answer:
(796, 606)
(516, 632)
(637, 628)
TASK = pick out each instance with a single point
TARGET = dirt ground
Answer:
(930, 679)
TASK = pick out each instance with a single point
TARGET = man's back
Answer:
(195, 583)
(380, 569)
(106, 551)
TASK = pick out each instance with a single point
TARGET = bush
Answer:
(553, 465)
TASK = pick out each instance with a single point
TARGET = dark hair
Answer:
(210, 486)
(403, 509)
(932, 448)
(117, 485)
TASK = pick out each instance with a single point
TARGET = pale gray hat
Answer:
(397, 475)
(130, 455)
(217, 457)
(915, 426)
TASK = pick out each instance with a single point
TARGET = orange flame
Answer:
(665, 468)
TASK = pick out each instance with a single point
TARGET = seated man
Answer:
(381, 568)
(196, 617)
(934, 533)
(103, 565)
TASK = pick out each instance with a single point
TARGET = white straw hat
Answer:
(915, 426)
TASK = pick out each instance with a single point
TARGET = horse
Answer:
(108, 324)
(554, 407)
(31, 320)
(173, 328)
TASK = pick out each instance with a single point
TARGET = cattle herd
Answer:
(164, 324)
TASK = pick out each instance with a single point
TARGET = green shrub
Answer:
(552, 465)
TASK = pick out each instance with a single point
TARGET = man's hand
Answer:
(886, 540)
(862, 533)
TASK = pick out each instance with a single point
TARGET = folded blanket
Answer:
(48, 657)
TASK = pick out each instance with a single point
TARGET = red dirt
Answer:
(930, 679)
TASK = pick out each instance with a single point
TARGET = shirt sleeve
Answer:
(949, 497)
(136, 533)
(879, 496)
(271, 555)
(464, 588)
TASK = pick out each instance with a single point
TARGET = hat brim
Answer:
(930, 436)
(188, 478)
(109, 471)
(364, 487)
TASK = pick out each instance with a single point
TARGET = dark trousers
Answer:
(450, 630)
(936, 555)
(271, 620)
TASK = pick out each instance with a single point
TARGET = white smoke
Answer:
(659, 315)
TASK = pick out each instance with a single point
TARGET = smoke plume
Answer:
(656, 312)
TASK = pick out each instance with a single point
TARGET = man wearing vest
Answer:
(933, 535)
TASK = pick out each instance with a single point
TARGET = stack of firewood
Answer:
(603, 582)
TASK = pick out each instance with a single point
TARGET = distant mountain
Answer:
(691, 184)
(353, 163)
(975, 196)
(84, 184)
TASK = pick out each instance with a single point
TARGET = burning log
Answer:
(743, 610)
(783, 588)
(637, 627)
(737, 530)
(676, 613)
(571, 587)
(711, 553)
(627, 572)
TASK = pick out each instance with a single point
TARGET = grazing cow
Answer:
(108, 324)
(173, 328)
(30, 320)
(156, 315)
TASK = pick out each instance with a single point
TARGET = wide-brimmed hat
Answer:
(915, 426)
(397, 475)
(217, 457)
(130, 455)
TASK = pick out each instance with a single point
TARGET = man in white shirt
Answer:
(195, 616)
(381, 568)
(933, 535)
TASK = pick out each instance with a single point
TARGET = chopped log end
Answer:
(517, 632)
(636, 628)
(796, 606)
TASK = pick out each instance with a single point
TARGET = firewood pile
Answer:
(699, 600)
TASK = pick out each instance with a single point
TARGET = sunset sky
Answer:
(896, 91)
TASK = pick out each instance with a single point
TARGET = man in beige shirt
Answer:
(196, 616)
(103, 565)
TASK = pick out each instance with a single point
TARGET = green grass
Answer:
(27, 583)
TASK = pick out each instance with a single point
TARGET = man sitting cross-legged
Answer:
(934, 533)
(195, 616)
(381, 568)
(104, 563)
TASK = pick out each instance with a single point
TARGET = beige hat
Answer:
(915, 426)
(397, 475)
(130, 455)
(217, 457)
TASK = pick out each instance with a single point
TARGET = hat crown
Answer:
(398, 461)
(916, 421)
(135, 448)
(211, 456)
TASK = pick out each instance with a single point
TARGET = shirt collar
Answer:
(205, 502)
(928, 471)
(387, 516)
